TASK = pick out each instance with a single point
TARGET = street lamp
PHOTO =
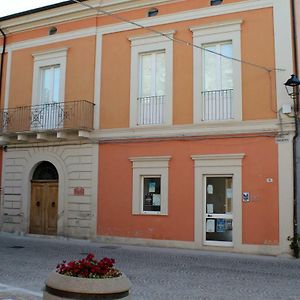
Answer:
(292, 88)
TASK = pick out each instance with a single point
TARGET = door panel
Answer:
(51, 215)
(43, 212)
(218, 217)
(37, 209)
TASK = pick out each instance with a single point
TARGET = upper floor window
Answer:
(217, 79)
(50, 84)
(151, 80)
(48, 89)
(218, 89)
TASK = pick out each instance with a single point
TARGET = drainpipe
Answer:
(295, 138)
(2, 60)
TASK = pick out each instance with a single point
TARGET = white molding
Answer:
(219, 164)
(150, 38)
(97, 80)
(48, 58)
(220, 27)
(203, 130)
(283, 49)
(7, 79)
(284, 59)
(59, 37)
(50, 54)
(149, 43)
(214, 33)
(149, 166)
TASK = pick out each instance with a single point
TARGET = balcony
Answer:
(47, 118)
(217, 105)
(151, 110)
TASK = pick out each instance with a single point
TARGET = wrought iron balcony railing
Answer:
(151, 110)
(217, 105)
(77, 115)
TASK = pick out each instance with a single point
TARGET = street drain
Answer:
(16, 247)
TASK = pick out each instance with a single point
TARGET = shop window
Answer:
(150, 185)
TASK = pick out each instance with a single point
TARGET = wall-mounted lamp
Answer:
(292, 88)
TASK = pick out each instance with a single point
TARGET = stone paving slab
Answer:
(156, 273)
(8, 292)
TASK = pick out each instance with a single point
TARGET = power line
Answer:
(99, 10)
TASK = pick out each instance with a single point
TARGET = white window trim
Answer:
(214, 33)
(218, 165)
(151, 43)
(45, 59)
(149, 166)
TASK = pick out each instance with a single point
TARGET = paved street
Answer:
(156, 273)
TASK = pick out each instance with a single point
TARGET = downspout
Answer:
(2, 60)
(294, 35)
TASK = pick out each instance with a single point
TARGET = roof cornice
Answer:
(65, 13)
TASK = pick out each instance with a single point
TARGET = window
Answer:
(151, 195)
(48, 89)
(150, 185)
(50, 84)
(151, 80)
(217, 94)
(217, 79)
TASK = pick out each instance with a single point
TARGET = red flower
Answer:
(89, 267)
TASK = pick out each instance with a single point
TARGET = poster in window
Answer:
(156, 199)
(210, 189)
(210, 225)
(151, 187)
(210, 208)
(220, 225)
(148, 199)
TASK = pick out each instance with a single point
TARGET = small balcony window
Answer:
(152, 79)
(217, 94)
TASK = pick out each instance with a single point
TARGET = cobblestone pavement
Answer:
(156, 273)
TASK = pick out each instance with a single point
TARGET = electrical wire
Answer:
(100, 10)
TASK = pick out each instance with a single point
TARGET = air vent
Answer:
(215, 2)
(152, 12)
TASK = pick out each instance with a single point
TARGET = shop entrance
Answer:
(218, 210)
(44, 199)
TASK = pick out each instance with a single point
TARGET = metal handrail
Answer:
(151, 110)
(217, 104)
(50, 116)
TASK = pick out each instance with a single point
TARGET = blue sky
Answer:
(14, 6)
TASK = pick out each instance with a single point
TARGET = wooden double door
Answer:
(43, 209)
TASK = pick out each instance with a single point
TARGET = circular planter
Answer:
(59, 286)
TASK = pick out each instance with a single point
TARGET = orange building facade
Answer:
(166, 123)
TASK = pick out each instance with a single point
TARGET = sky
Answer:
(9, 7)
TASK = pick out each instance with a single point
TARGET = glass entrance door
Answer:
(218, 210)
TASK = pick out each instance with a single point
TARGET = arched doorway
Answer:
(44, 199)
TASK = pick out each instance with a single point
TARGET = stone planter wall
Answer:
(59, 287)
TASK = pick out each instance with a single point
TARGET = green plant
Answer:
(294, 244)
